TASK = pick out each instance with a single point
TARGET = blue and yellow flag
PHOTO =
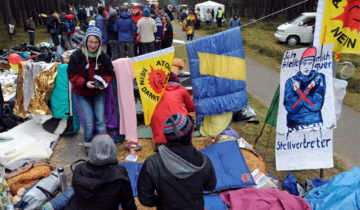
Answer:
(218, 72)
(338, 22)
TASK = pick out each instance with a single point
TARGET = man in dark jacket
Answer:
(113, 35)
(176, 177)
(125, 27)
(101, 23)
(30, 28)
(99, 183)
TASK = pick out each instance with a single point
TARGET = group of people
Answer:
(127, 32)
(173, 178)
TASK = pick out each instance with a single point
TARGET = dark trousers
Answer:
(32, 38)
(190, 37)
(55, 39)
(126, 48)
(157, 46)
(219, 22)
(147, 47)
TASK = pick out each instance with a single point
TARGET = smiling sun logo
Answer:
(157, 79)
(351, 15)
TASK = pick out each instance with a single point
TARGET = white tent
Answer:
(208, 5)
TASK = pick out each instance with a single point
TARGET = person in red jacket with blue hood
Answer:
(90, 71)
(305, 94)
(175, 99)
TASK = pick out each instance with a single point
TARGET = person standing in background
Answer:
(113, 35)
(219, 17)
(168, 34)
(54, 28)
(146, 28)
(234, 22)
(100, 22)
(125, 28)
(30, 28)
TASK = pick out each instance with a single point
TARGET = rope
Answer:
(274, 13)
(254, 21)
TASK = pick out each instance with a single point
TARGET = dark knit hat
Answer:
(146, 12)
(178, 129)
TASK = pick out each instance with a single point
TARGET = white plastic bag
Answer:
(339, 92)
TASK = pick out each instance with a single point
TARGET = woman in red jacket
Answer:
(175, 100)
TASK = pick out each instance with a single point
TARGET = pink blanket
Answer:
(125, 91)
(263, 199)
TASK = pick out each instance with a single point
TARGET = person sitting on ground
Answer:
(99, 183)
(78, 36)
(175, 99)
(176, 177)
(234, 22)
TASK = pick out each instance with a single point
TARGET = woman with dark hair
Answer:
(168, 34)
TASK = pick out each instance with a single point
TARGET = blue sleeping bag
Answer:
(229, 164)
(133, 170)
(342, 192)
(214, 202)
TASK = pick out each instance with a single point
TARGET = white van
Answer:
(298, 30)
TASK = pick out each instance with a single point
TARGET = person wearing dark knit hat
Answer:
(90, 71)
(99, 183)
(176, 177)
(305, 94)
(175, 99)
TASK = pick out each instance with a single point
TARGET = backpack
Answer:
(70, 24)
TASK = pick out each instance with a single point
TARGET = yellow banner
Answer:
(152, 73)
(341, 25)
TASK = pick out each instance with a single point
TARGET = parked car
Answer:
(298, 30)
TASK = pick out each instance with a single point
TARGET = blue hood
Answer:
(125, 15)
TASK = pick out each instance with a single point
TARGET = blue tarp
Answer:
(133, 170)
(342, 192)
(214, 202)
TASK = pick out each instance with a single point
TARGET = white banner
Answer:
(306, 113)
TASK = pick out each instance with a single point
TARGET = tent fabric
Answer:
(263, 199)
(230, 166)
(214, 202)
(204, 6)
(213, 94)
(29, 141)
(342, 192)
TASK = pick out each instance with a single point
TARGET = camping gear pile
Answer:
(36, 106)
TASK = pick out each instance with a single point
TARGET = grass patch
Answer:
(21, 36)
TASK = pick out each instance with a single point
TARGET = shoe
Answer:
(46, 206)
(133, 146)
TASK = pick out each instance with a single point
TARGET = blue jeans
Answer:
(92, 110)
(59, 202)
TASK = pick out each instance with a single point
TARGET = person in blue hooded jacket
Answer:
(100, 22)
(305, 94)
(125, 26)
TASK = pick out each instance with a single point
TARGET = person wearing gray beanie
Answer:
(100, 183)
(90, 71)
